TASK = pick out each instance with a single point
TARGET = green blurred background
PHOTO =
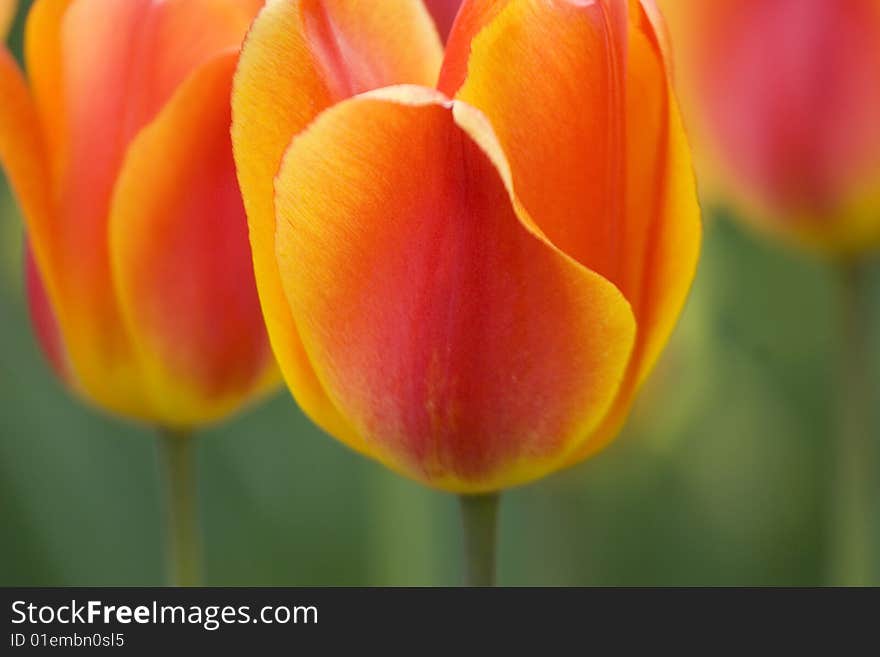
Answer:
(720, 478)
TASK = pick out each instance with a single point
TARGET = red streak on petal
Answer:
(346, 71)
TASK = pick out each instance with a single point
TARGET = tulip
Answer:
(138, 267)
(468, 284)
(785, 100)
(784, 97)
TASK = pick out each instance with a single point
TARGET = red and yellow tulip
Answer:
(117, 146)
(784, 100)
(467, 283)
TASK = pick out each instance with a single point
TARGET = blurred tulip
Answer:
(117, 147)
(7, 15)
(784, 99)
(443, 12)
(472, 290)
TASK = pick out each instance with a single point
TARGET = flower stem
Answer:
(479, 516)
(178, 454)
(855, 495)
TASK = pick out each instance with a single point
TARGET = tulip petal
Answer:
(466, 350)
(472, 17)
(600, 164)
(670, 265)
(124, 60)
(43, 319)
(7, 16)
(23, 157)
(299, 58)
(44, 59)
(23, 153)
(154, 46)
(475, 15)
(181, 259)
(571, 174)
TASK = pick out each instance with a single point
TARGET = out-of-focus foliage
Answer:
(719, 477)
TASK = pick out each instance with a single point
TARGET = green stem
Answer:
(856, 496)
(479, 516)
(178, 454)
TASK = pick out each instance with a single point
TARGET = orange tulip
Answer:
(138, 268)
(469, 284)
(784, 96)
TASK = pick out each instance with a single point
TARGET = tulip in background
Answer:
(784, 96)
(467, 284)
(138, 268)
(784, 99)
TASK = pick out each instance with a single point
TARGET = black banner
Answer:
(40, 620)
